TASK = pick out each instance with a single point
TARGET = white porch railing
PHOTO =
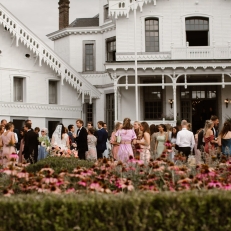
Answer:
(207, 52)
(179, 53)
(156, 122)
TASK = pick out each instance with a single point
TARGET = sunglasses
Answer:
(42, 131)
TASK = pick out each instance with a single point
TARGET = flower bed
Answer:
(136, 211)
(70, 175)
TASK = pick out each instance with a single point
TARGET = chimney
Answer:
(64, 6)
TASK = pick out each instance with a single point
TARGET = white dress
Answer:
(64, 142)
(60, 143)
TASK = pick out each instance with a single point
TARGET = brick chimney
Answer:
(64, 6)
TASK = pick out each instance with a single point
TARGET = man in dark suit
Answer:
(72, 136)
(81, 139)
(31, 144)
(102, 136)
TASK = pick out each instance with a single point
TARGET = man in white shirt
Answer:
(185, 139)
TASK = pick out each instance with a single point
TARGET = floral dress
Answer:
(144, 151)
(42, 152)
(91, 154)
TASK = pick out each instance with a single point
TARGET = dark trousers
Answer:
(81, 154)
(100, 154)
(186, 151)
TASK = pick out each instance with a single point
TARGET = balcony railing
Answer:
(208, 52)
(179, 53)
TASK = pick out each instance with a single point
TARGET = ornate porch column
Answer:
(174, 100)
(115, 99)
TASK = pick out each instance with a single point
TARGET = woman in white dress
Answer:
(60, 139)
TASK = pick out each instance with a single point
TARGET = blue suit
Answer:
(101, 146)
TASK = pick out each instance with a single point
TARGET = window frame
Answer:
(183, 26)
(109, 40)
(89, 112)
(106, 18)
(56, 82)
(145, 31)
(89, 42)
(24, 86)
(153, 100)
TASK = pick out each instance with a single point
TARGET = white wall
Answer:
(35, 105)
(171, 14)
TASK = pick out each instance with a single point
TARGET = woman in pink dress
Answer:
(8, 141)
(209, 137)
(91, 154)
(127, 135)
(113, 140)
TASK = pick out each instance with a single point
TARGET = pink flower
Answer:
(95, 186)
(214, 185)
(82, 183)
(70, 190)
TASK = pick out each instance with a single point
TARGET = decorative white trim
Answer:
(143, 56)
(39, 106)
(102, 75)
(166, 65)
(44, 53)
(122, 7)
(80, 31)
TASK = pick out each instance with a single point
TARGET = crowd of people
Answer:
(137, 140)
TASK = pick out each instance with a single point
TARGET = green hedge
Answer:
(58, 164)
(206, 211)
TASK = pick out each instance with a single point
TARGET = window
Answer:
(18, 89)
(111, 49)
(197, 31)
(153, 103)
(152, 35)
(52, 92)
(89, 114)
(106, 11)
(89, 57)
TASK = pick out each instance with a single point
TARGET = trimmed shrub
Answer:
(144, 211)
(58, 164)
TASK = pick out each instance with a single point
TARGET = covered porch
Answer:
(170, 92)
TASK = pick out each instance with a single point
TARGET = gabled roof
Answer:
(85, 22)
(46, 54)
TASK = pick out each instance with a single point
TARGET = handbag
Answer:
(118, 138)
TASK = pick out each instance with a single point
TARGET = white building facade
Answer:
(160, 59)
(35, 83)
(155, 60)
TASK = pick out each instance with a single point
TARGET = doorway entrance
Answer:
(198, 104)
(52, 124)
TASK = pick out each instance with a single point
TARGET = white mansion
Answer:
(153, 60)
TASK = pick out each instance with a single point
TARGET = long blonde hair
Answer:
(208, 125)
